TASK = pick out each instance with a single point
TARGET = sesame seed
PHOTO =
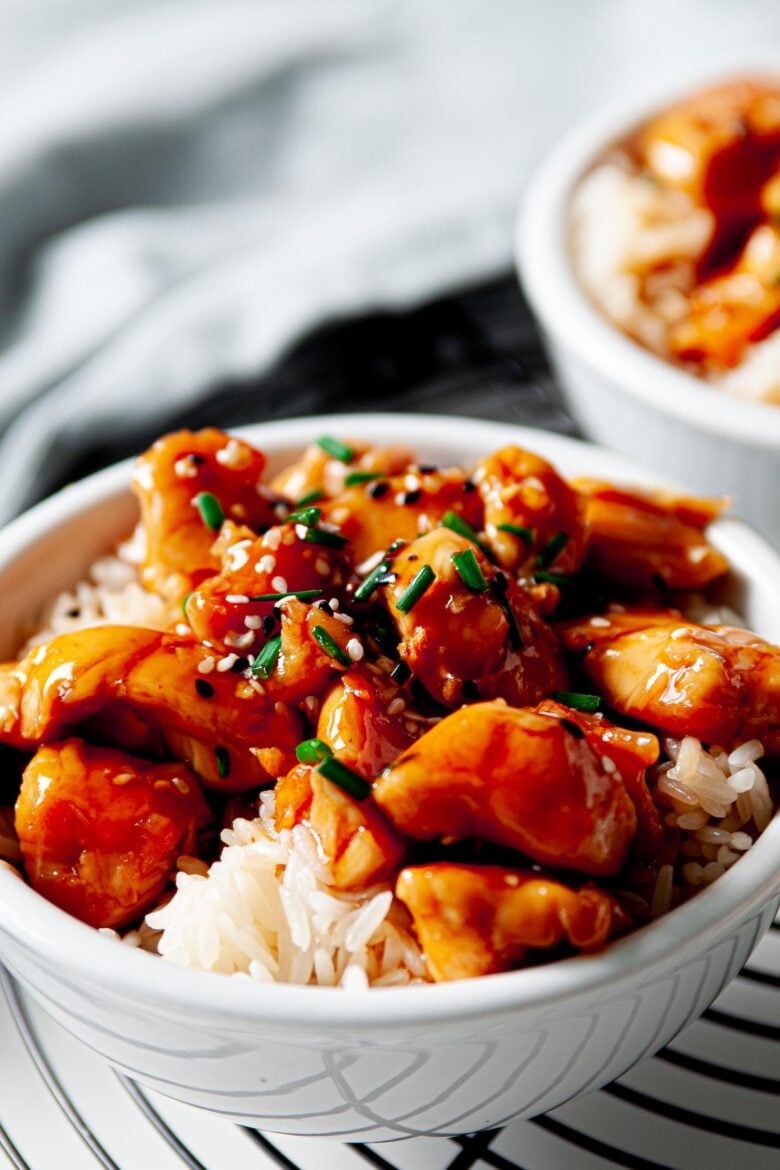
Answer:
(185, 468)
(181, 784)
(182, 629)
(368, 566)
(334, 603)
(122, 778)
(279, 584)
(204, 688)
(266, 564)
(344, 618)
(411, 483)
(226, 663)
(272, 538)
(206, 665)
(253, 621)
(601, 623)
(233, 455)
(300, 531)
(237, 558)
(400, 498)
(396, 706)
(239, 641)
(161, 784)
(378, 490)
(237, 599)
(355, 649)
(608, 765)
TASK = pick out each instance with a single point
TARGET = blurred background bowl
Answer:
(389, 1063)
(621, 394)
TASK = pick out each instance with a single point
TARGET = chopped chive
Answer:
(184, 604)
(555, 545)
(372, 581)
(498, 587)
(324, 536)
(578, 701)
(344, 777)
(222, 757)
(469, 571)
(312, 751)
(307, 516)
(336, 448)
(357, 477)
(542, 577)
(210, 510)
(264, 664)
(330, 645)
(456, 523)
(395, 547)
(526, 534)
(415, 589)
(301, 594)
(310, 497)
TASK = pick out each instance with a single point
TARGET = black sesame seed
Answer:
(469, 486)
(470, 691)
(326, 607)
(427, 468)
(412, 497)
(269, 623)
(197, 459)
(73, 613)
(240, 665)
(204, 688)
(412, 557)
(377, 490)
(400, 673)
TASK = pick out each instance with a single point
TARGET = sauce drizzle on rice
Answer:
(464, 726)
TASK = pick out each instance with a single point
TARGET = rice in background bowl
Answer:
(444, 1058)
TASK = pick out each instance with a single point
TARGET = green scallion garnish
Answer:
(310, 497)
(415, 589)
(184, 604)
(210, 510)
(326, 537)
(312, 751)
(330, 645)
(577, 701)
(548, 554)
(357, 477)
(456, 523)
(222, 758)
(469, 571)
(352, 783)
(371, 582)
(264, 664)
(543, 577)
(525, 534)
(307, 516)
(498, 587)
(336, 449)
(301, 594)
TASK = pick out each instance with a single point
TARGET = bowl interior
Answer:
(51, 547)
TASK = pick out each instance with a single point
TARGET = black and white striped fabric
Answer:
(707, 1102)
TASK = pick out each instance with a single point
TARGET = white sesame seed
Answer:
(237, 598)
(412, 483)
(396, 706)
(608, 765)
(368, 566)
(122, 778)
(227, 662)
(338, 516)
(239, 641)
(355, 649)
(272, 538)
(334, 603)
(182, 629)
(601, 623)
(344, 618)
(310, 704)
(237, 558)
(253, 621)
(181, 784)
(206, 665)
(399, 498)
(300, 531)
(279, 584)
(266, 564)
(233, 455)
(185, 468)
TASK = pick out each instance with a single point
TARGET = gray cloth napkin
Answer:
(187, 186)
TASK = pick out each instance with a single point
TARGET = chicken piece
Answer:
(100, 830)
(374, 515)
(318, 471)
(315, 645)
(631, 753)
(360, 846)
(356, 722)
(524, 491)
(716, 683)
(516, 778)
(650, 540)
(720, 146)
(459, 643)
(221, 610)
(734, 309)
(170, 478)
(233, 737)
(481, 919)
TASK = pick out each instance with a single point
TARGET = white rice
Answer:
(266, 910)
(635, 244)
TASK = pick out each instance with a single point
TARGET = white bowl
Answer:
(374, 1065)
(621, 394)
